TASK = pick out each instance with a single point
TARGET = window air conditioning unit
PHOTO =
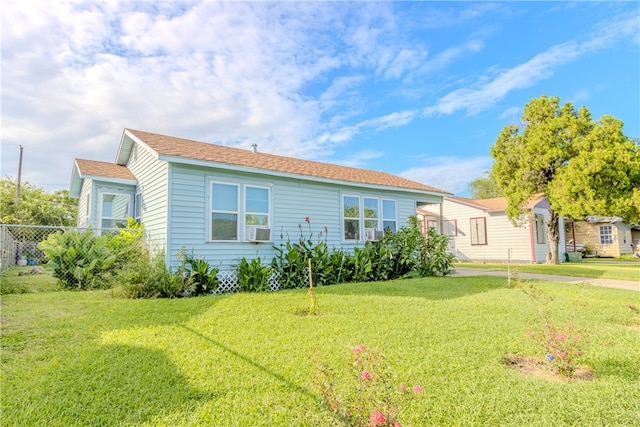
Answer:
(372, 235)
(258, 234)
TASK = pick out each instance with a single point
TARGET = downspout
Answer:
(441, 220)
(533, 246)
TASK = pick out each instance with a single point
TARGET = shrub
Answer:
(253, 276)
(365, 392)
(204, 278)
(150, 278)
(80, 260)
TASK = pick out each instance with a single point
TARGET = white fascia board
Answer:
(226, 166)
(126, 144)
(110, 179)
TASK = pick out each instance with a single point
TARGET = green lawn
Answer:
(621, 270)
(88, 358)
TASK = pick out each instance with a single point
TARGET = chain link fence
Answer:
(63, 250)
(81, 257)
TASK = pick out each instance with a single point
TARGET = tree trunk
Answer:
(553, 233)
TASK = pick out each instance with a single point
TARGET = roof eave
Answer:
(227, 166)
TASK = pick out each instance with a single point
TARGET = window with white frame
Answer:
(137, 206)
(389, 215)
(115, 208)
(236, 207)
(369, 213)
(351, 217)
(478, 231)
(541, 231)
(224, 211)
(606, 235)
(256, 210)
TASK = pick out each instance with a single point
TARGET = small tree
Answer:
(485, 187)
(583, 167)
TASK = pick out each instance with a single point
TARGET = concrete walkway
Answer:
(629, 285)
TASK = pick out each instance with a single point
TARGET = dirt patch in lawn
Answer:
(540, 368)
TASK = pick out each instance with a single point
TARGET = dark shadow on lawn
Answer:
(290, 384)
(111, 385)
(435, 288)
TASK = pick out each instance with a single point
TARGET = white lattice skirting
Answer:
(229, 281)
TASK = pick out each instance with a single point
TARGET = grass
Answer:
(88, 358)
(22, 280)
(594, 269)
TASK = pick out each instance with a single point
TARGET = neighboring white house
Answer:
(481, 231)
(227, 203)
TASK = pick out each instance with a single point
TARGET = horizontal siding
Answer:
(152, 176)
(502, 235)
(292, 201)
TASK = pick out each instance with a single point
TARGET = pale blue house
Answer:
(227, 203)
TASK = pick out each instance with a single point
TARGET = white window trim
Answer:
(244, 207)
(138, 200)
(241, 231)
(610, 234)
(362, 219)
(395, 212)
(210, 210)
(102, 193)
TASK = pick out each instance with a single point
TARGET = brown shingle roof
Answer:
(188, 149)
(496, 204)
(103, 169)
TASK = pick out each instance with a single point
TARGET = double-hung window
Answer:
(256, 210)
(364, 214)
(115, 208)
(236, 207)
(606, 235)
(224, 211)
(351, 217)
(389, 216)
(478, 231)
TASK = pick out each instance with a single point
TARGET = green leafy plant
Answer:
(204, 278)
(253, 276)
(80, 260)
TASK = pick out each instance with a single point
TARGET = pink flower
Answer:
(306, 219)
(529, 333)
(377, 418)
(561, 337)
(417, 389)
(578, 353)
(402, 388)
(577, 337)
(396, 424)
(359, 349)
(365, 376)
(357, 361)
(563, 355)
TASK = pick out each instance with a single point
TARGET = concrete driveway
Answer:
(629, 285)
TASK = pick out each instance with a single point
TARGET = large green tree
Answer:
(583, 167)
(485, 187)
(36, 206)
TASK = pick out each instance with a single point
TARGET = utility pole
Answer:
(18, 185)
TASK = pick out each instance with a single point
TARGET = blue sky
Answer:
(417, 89)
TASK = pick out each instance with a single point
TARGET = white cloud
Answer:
(540, 67)
(510, 113)
(450, 173)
